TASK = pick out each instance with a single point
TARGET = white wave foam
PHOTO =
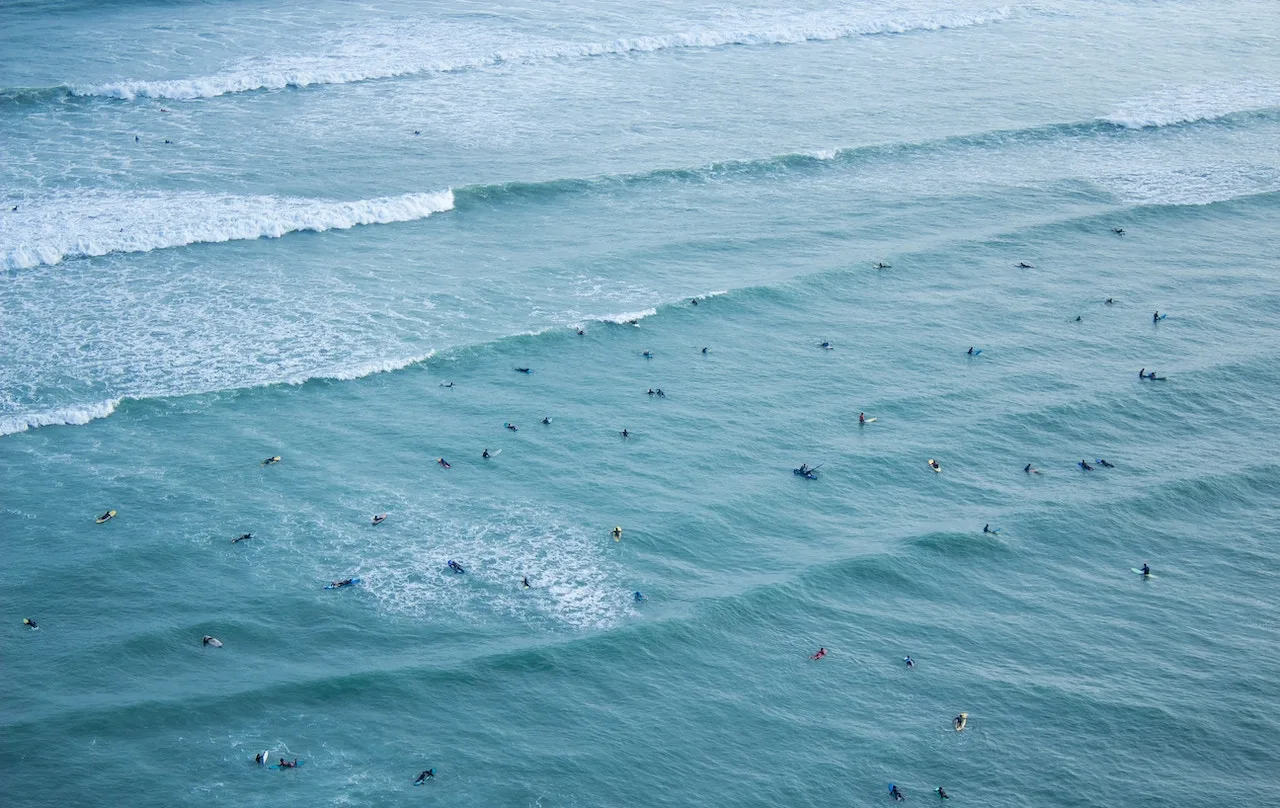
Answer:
(362, 369)
(1177, 105)
(626, 317)
(1199, 186)
(353, 56)
(50, 229)
(70, 416)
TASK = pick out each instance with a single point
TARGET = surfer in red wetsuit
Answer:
(821, 653)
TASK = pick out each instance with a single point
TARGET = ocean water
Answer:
(331, 231)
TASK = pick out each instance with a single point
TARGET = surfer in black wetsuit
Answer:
(883, 265)
(694, 301)
(825, 344)
(650, 391)
(942, 792)
(429, 774)
(970, 350)
(1119, 231)
(660, 393)
(1155, 318)
(704, 349)
(456, 567)
(911, 663)
(260, 758)
(525, 582)
(546, 420)
(639, 598)
(29, 623)
(524, 370)
(1029, 470)
(1024, 265)
(1084, 465)
(242, 537)
(1105, 464)
(986, 528)
(625, 433)
(1109, 301)
(1146, 571)
(897, 795)
(342, 583)
(581, 333)
(450, 384)
(485, 453)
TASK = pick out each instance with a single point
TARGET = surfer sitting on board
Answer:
(862, 417)
(422, 778)
(1029, 469)
(525, 582)
(485, 453)
(1146, 571)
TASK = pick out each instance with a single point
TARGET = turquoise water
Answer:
(298, 273)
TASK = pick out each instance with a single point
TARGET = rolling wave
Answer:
(1182, 105)
(47, 230)
(361, 62)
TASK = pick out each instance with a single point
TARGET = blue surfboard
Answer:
(354, 581)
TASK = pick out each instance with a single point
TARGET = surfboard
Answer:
(266, 755)
(106, 516)
(1139, 572)
(495, 453)
(870, 421)
(215, 642)
(354, 581)
(960, 722)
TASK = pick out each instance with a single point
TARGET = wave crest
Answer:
(50, 229)
(390, 54)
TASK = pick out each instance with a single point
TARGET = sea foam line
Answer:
(47, 230)
(355, 64)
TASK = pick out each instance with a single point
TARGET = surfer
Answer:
(625, 433)
(546, 419)
(1155, 318)
(704, 349)
(987, 528)
(271, 461)
(942, 793)
(1142, 373)
(650, 391)
(1029, 469)
(444, 464)
(342, 583)
(694, 301)
(429, 774)
(106, 516)
(209, 640)
(1146, 571)
(970, 350)
(285, 764)
(911, 663)
(1153, 377)
(617, 533)
(1109, 301)
(242, 537)
(825, 344)
(450, 384)
(959, 721)
(933, 464)
(897, 795)
(456, 567)
(524, 370)
(260, 758)
(380, 518)
(29, 623)
(525, 582)
(485, 453)
(647, 354)
(660, 393)
(1024, 265)
(862, 418)
(1105, 464)
(821, 653)
(1084, 465)
(1119, 231)
(639, 598)
(512, 427)
(581, 333)
(1079, 319)
(883, 265)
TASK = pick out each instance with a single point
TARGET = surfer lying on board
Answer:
(911, 663)
(1084, 465)
(285, 764)
(821, 653)
(242, 537)
(942, 792)
(342, 583)
(456, 567)
(422, 778)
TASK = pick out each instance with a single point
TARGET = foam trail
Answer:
(1178, 105)
(51, 229)
(376, 54)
